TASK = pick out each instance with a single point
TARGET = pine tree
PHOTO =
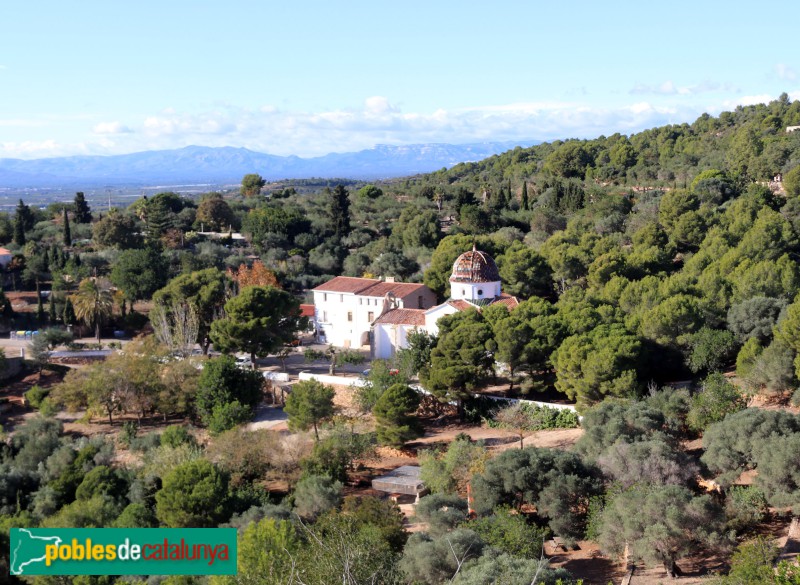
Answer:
(67, 234)
(82, 212)
(525, 202)
(158, 220)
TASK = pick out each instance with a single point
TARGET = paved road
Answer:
(267, 417)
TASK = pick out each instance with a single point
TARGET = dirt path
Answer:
(499, 439)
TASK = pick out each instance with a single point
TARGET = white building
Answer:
(346, 307)
(474, 283)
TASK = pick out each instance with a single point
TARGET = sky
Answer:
(311, 77)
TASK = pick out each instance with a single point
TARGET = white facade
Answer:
(472, 291)
(348, 309)
(345, 308)
(433, 315)
(345, 318)
(388, 338)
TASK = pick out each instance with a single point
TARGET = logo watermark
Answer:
(123, 551)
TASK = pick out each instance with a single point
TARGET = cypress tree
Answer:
(69, 313)
(67, 234)
(19, 231)
(525, 202)
(52, 308)
(39, 304)
(24, 213)
(82, 212)
(339, 211)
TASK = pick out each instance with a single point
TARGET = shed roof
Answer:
(403, 480)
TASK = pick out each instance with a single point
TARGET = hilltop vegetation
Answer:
(669, 255)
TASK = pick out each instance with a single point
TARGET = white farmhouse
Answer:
(346, 307)
(474, 283)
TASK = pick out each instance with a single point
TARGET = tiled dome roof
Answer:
(475, 266)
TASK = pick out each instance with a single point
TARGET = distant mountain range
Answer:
(219, 166)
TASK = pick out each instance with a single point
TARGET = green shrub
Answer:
(48, 408)
(511, 533)
(128, 434)
(745, 506)
(540, 418)
(175, 435)
(226, 416)
(146, 442)
(36, 395)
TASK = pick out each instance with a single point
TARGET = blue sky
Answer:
(308, 78)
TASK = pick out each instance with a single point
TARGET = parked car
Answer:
(244, 361)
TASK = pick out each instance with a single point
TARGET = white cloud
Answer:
(377, 120)
(111, 128)
(785, 72)
(670, 88)
(32, 148)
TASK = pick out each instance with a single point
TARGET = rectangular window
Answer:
(370, 316)
(350, 316)
(324, 296)
(341, 298)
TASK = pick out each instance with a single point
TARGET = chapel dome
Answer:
(475, 266)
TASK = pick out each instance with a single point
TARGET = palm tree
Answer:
(93, 303)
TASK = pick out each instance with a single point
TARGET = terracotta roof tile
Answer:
(414, 317)
(461, 305)
(5, 251)
(400, 289)
(306, 310)
(507, 300)
(346, 284)
(368, 287)
(474, 266)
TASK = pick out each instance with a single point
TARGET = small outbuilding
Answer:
(403, 480)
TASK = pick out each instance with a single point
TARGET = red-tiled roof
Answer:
(400, 289)
(461, 305)
(414, 317)
(368, 287)
(306, 310)
(503, 299)
(507, 300)
(5, 251)
(346, 284)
